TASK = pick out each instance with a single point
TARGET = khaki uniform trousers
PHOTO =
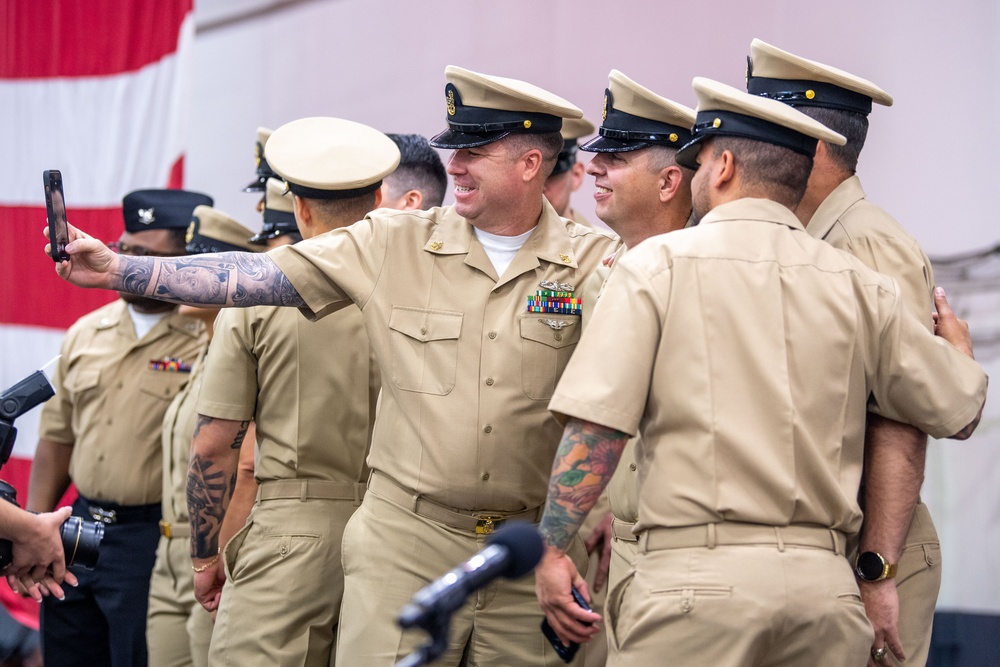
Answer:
(390, 553)
(284, 585)
(624, 548)
(178, 629)
(755, 602)
(596, 650)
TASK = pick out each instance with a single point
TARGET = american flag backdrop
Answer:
(98, 90)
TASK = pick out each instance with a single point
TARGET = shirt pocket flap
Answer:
(82, 379)
(162, 384)
(557, 331)
(425, 325)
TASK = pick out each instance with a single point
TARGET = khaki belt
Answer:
(622, 530)
(731, 533)
(482, 522)
(174, 530)
(310, 489)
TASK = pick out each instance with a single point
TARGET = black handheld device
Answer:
(566, 653)
(55, 204)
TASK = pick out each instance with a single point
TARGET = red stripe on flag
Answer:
(176, 179)
(32, 292)
(50, 38)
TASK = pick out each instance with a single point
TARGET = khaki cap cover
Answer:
(575, 128)
(774, 63)
(210, 224)
(331, 154)
(503, 94)
(638, 100)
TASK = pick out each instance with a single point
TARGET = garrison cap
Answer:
(572, 129)
(636, 117)
(279, 213)
(727, 112)
(160, 209)
(264, 170)
(331, 158)
(788, 78)
(483, 109)
(211, 230)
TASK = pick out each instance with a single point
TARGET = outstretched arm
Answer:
(587, 457)
(222, 279)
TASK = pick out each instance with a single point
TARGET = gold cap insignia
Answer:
(437, 245)
(451, 102)
(258, 153)
(673, 137)
(288, 188)
(810, 94)
(604, 112)
(190, 232)
(717, 123)
(527, 124)
(565, 258)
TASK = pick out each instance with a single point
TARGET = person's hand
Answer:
(948, 326)
(90, 264)
(38, 549)
(26, 587)
(208, 584)
(554, 577)
(600, 540)
(882, 608)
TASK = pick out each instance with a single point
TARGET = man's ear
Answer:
(726, 171)
(531, 164)
(303, 214)
(671, 180)
(378, 199)
(413, 200)
(579, 169)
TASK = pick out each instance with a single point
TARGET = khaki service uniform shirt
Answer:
(848, 221)
(467, 371)
(311, 388)
(746, 352)
(178, 429)
(112, 391)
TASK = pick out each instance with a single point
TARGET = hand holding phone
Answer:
(55, 204)
(566, 653)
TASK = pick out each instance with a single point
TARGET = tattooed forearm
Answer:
(223, 279)
(207, 493)
(587, 457)
(238, 438)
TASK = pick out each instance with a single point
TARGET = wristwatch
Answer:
(872, 566)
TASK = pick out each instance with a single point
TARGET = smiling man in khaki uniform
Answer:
(178, 629)
(746, 352)
(120, 367)
(640, 192)
(472, 314)
(897, 525)
(310, 388)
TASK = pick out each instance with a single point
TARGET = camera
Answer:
(80, 539)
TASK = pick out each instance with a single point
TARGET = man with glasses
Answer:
(121, 366)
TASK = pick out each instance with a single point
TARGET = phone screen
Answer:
(55, 203)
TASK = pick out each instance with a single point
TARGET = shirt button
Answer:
(558, 336)
(423, 330)
(486, 476)
(489, 382)
(631, 466)
(492, 335)
(488, 428)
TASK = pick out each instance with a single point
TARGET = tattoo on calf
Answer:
(207, 496)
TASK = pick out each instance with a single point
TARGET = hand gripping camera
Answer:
(80, 538)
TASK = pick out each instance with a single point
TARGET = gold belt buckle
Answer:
(165, 529)
(487, 524)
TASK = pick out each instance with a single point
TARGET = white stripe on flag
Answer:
(26, 349)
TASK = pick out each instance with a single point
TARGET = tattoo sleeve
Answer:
(223, 279)
(211, 478)
(587, 457)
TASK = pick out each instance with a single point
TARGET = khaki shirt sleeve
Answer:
(229, 384)
(899, 259)
(331, 270)
(608, 378)
(922, 379)
(57, 413)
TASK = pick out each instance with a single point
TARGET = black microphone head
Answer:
(524, 547)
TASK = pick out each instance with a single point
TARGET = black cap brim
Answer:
(454, 140)
(687, 156)
(601, 144)
(257, 185)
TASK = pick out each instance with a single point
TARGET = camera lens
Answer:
(81, 540)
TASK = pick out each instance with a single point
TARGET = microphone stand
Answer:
(436, 626)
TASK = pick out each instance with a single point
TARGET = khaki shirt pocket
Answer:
(162, 384)
(80, 380)
(547, 342)
(424, 349)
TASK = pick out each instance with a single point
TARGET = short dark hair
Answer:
(851, 124)
(767, 170)
(549, 143)
(420, 168)
(178, 239)
(346, 210)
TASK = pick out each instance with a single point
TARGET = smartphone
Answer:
(55, 203)
(566, 653)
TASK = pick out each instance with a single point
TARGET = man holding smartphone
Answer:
(120, 367)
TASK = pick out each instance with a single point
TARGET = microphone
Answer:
(512, 552)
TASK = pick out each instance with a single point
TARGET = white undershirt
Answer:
(501, 249)
(143, 322)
